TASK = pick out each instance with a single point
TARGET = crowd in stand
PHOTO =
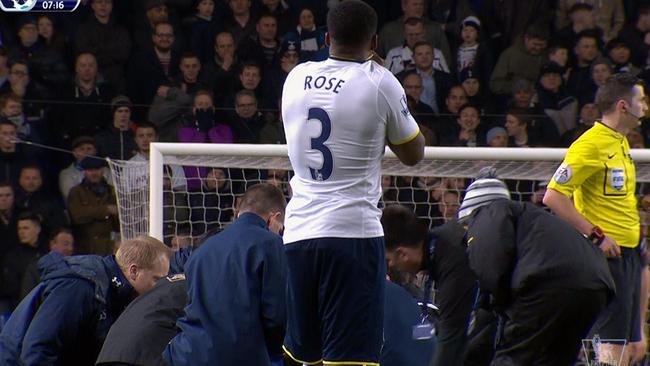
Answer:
(116, 75)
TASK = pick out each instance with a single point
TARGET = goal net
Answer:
(186, 191)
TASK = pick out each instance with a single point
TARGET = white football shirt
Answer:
(337, 117)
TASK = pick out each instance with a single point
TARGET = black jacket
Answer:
(448, 267)
(140, 334)
(515, 247)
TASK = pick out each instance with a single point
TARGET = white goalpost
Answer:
(151, 199)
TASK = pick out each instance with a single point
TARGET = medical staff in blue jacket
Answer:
(65, 318)
(236, 289)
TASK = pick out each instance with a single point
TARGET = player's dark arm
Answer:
(410, 152)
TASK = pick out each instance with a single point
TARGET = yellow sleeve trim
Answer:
(301, 361)
(408, 139)
(351, 363)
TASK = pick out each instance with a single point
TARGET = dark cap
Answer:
(468, 73)
(92, 163)
(120, 101)
(149, 4)
(551, 68)
(83, 140)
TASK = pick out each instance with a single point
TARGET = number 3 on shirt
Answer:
(318, 143)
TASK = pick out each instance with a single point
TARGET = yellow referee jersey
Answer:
(599, 174)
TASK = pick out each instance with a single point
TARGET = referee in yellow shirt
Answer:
(594, 190)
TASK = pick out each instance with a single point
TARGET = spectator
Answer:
(288, 58)
(497, 137)
(8, 215)
(71, 176)
(601, 69)
(93, 210)
(589, 113)
(609, 14)
(559, 54)
(423, 113)
(32, 196)
(248, 122)
(555, 100)
(476, 91)
(517, 127)
(582, 19)
(116, 142)
(523, 92)
(522, 60)
(110, 42)
(473, 53)
(65, 319)
(222, 67)
(170, 102)
(263, 47)
(151, 70)
(241, 24)
(175, 200)
(156, 11)
(282, 13)
(446, 123)
(636, 35)
(468, 130)
(12, 157)
(15, 263)
(505, 21)
(61, 241)
(312, 39)
(213, 208)
(435, 81)
(202, 125)
(52, 37)
(21, 84)
(250, 77)
(248, 259)
(620, 54)
(48, 65)
(586, 51)
(200, 28)
(401, 57)
(30, 128)
(85, 110)
(273, 130)
(392, 33)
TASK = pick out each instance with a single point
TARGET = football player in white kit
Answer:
(338, 115)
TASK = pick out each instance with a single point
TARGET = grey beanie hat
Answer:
(485, 189)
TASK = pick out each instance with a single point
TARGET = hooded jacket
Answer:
(515, 247)
(65, 319)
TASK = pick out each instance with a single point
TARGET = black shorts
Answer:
(335, 300)
(620, 321)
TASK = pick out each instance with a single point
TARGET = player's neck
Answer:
(349, 55)
(615, 124)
